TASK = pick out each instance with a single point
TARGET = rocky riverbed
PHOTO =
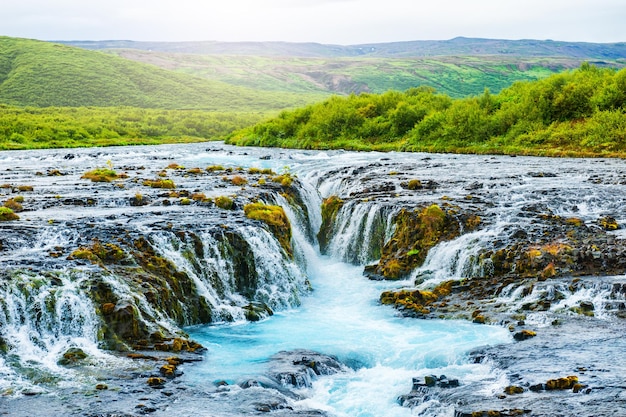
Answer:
(107, 256)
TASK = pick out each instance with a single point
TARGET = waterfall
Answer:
(360, 231)
(41, 317)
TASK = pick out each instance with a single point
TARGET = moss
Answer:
(524, 335)
(159, 183)
(13, 205)
(72, 356)
(330, 208)
(608, 223)
(214, 168)
(224, 202)
(415, 234)
(155, 381)
(195, 171)
(285, 179)
(174, 165)
(414, 184)
(513, 389)
(101, 175)
(575, 221)
(98, 253)
(185, 201)
(6, 214)
(276, 219)
(238, 180)
(561, 383)
(415, 301)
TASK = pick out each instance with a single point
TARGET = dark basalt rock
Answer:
(298, 368)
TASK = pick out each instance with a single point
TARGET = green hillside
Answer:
(34, 73)
(453, 75)
(579, 112)
(459, 46)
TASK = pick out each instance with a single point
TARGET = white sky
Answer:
(325, 21)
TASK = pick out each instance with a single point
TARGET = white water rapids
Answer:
(342, 315)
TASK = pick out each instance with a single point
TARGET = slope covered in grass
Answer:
(457, 76)
(34, 73)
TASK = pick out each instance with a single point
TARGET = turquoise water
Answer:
(342, 317)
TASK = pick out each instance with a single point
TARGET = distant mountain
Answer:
(457, 46)
(36, 73)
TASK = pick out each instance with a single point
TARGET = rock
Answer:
(586, 306)
(430, 380)
(299, 367)
(561, 383)
(256, 311)
(72, 356)
(524, 335)
(608, 223)
(156, 382)
(513, 389)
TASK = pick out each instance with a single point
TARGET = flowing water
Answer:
(321, 302)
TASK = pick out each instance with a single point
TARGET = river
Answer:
(320, 302)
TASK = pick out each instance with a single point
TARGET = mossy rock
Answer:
(416, 232)
(224, 202)
(276, 219)
(160, 183)
(72, 356)
(330, 208)
(608, 223)
(101, 175)
(7, 214)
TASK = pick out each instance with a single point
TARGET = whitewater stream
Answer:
(321, 302)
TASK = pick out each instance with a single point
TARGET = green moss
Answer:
(6, 214)
(159, 183)
(415, 234)
(276, 219)
(414, 184)
(100, 175)
(330, 208)
(224, 202)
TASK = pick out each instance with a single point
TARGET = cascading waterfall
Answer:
(177, 254)
(360, 231)
(41, 317)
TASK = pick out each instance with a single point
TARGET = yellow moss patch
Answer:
(169, 184)
(6, 214)
(100, 175)
(238, 180)
(224, 202)
(275, 218)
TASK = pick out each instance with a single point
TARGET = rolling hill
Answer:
(458, 67)
(42, 74)
(454, 47)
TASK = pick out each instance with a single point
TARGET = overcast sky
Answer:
(325, 21)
